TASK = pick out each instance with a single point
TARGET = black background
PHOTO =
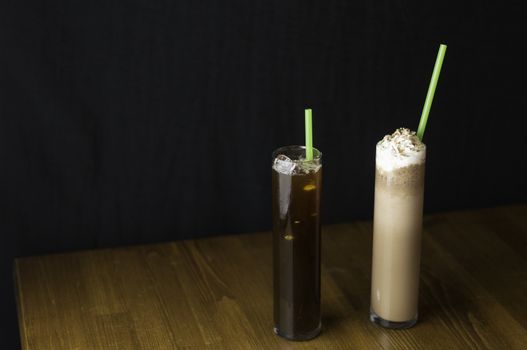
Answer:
(124, 122)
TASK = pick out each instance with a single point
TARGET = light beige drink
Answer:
(397, 228)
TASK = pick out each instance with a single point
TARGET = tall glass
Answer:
(397, 228)
(296, 185)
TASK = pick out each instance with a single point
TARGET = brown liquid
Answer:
(296, 253)
(397, 231)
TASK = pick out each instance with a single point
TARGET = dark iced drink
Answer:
(296, 185)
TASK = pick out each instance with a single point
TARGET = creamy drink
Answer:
(397, 227)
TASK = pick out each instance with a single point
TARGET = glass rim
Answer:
(317, 155)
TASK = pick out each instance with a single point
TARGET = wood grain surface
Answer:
(217, 293)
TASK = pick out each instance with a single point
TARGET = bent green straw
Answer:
(309, 134)
(431, 91)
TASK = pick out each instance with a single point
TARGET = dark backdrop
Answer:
(125, 122)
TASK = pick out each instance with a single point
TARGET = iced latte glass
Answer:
(296, 185)
(397, 228)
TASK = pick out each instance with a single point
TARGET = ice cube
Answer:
(283, 164)
(310, 167)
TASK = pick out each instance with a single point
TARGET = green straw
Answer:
(309, 134)
(431, 91)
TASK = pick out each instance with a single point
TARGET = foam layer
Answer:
(400, 149)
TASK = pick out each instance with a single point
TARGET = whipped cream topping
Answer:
(400, 149)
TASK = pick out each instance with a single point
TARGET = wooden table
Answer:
(217, 293)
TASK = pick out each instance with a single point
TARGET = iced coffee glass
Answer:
(296, 185)
(397, 228)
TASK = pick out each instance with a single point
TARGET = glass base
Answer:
(391, 324)
(301, 336)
